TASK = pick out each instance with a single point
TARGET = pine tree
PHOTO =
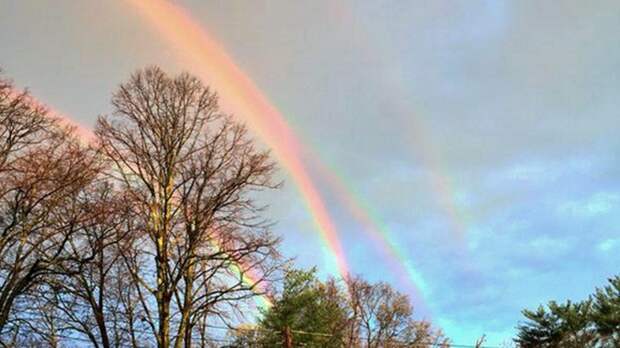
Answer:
(594, 322)
(606, 312)
(306, 307)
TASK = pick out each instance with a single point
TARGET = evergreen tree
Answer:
(594, 322)
(606, 312)
(562, 325)
(312, 311)
(354, 313)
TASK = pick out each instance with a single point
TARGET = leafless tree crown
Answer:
(189, 172)
(141, 239)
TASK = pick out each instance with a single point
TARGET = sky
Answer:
(464, 151)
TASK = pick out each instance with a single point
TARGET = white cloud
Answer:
(596, 205)
(608, 244)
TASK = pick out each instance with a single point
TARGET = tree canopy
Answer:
(594, 322)
(353, 313)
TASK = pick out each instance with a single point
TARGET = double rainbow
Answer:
(196, 48)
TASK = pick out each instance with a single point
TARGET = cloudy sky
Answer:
(466, 152)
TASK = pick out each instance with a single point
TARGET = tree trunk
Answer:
(287, 337)
(162, 295)
(163, 341)
(184, 335)
(98, 307)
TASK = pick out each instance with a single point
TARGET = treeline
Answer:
(148, 233)
(349, 313)
(594, 322)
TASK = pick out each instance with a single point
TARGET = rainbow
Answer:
(439, 179)
(442, 186)
(249, 278)
(196, 48)
(252, 281)
(377, 229)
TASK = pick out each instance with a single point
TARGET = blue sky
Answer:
(483, 134)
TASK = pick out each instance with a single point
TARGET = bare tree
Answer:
(92, 299)
(383, 317)
(42, 169)
(189, 173)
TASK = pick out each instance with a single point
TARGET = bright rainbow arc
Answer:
(209, 61)
(250, 279)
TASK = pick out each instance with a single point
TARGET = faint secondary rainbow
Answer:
(377, 229)
(441, 184)
(197, 49)
(401, 103)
